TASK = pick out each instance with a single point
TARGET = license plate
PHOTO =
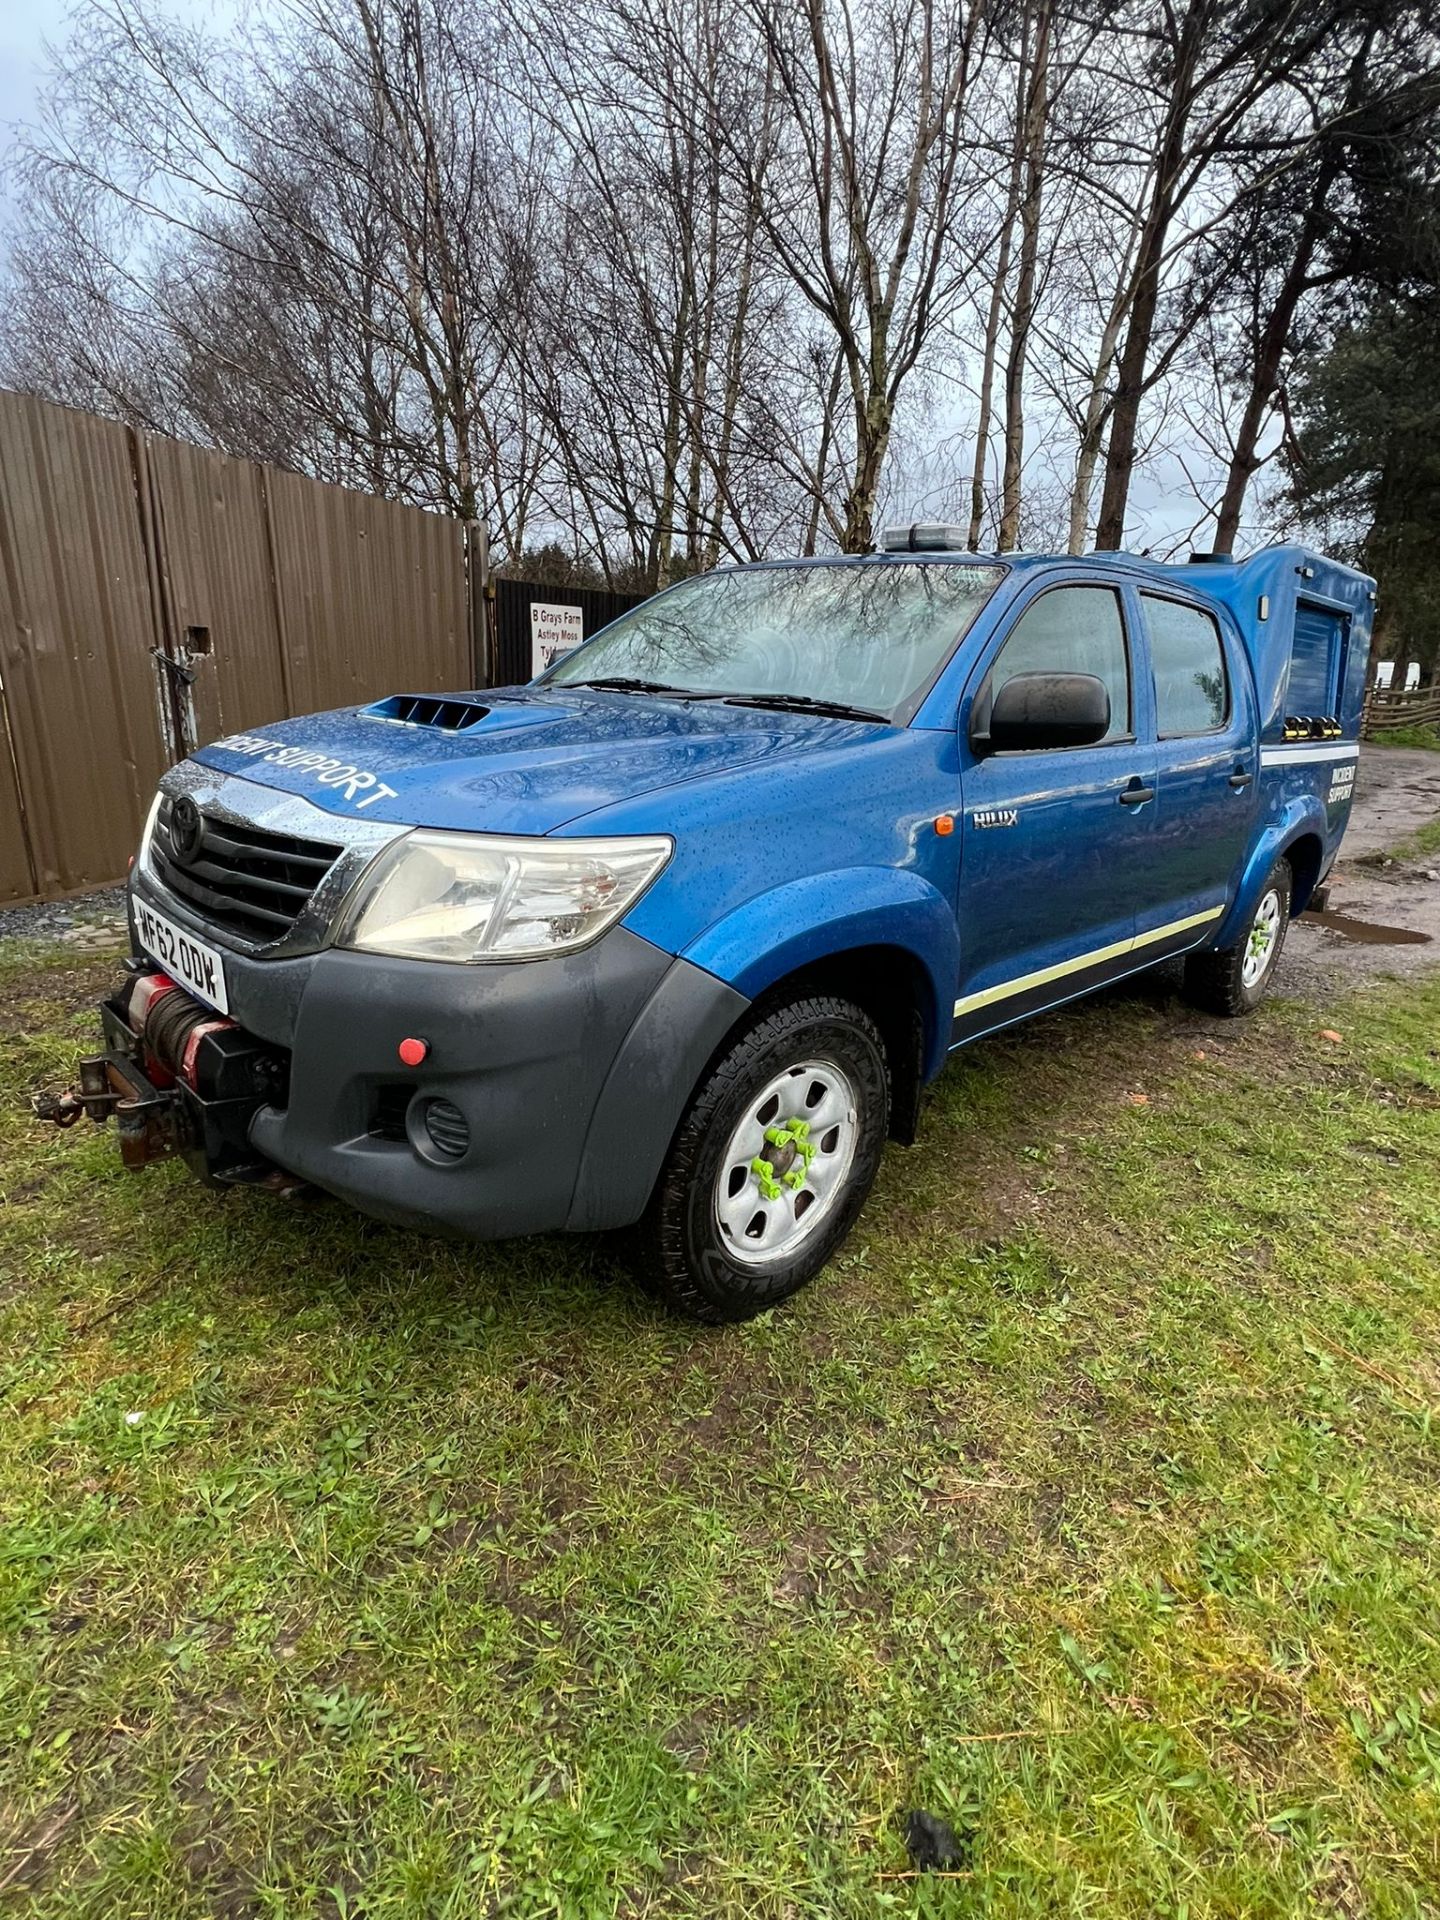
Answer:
(184, 958)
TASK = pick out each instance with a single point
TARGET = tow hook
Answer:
(60, 1109)
(98, 1095)
(151, 1124)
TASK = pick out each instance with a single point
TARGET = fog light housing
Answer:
(446, 1128)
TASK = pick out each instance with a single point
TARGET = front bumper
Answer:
(571, 1075)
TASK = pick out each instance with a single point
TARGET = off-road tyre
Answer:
(680, 1248)
(1216, 982)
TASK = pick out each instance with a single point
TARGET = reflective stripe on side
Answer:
(1300, 756)
(1096, 957)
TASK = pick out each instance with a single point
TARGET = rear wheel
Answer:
(1235, 980)
(771, 1163)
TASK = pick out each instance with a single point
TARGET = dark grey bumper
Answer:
(572, 1075)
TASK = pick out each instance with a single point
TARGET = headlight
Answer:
(477, 896)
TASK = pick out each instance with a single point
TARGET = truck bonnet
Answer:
(518, 761)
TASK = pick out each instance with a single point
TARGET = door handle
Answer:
(1136, 795)
(1240, 779)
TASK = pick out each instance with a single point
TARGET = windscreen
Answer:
(866, 636)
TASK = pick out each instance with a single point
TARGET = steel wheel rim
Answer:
(757, 1226)
(1262, 938)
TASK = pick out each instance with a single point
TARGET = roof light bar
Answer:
(924, 536)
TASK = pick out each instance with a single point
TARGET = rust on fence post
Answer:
(477, 603)
(168, 703)
(282, 634)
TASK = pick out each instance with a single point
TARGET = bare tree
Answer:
(865, 200)
(1032, 118)
(693, 279)
(1303, 236)
(1211, 64)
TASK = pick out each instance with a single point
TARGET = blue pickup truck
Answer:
(672, 939)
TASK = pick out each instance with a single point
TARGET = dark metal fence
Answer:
(527, 619)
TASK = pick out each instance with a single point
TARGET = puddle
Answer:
(1368, 932)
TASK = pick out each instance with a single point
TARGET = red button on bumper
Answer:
(414, 1052)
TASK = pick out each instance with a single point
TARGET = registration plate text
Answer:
(184, 958)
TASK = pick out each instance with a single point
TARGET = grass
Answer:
(1418, 845)
(1090, 1502)
(1422, 737)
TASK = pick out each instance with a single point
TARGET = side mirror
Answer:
(1034, 710)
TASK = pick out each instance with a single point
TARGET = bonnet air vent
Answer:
(430, 710)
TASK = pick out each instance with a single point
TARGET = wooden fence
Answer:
(154, 595)
(1387, 711)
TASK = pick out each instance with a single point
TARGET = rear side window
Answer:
(1072, 630)
(1191, 691)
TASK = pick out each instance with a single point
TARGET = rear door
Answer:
(1207, 765)
(1059, 843)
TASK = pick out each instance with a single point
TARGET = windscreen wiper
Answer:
(804, 703)
(619, 683)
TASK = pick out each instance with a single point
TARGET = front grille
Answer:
(254, 882)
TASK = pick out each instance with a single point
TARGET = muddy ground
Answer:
(1384, 915)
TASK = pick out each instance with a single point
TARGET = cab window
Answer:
(1192, 694)
(1069, 630)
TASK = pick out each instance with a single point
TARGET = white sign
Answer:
(554, 632)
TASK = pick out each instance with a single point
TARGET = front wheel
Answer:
(1236, 980)
(772, 1162)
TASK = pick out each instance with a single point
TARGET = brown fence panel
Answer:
(76, 629)
(217, 584)
(372, 595)
(262, 594)
(17, 871)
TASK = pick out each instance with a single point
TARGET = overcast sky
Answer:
(25, 25)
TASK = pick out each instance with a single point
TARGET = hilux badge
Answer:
(995, 817)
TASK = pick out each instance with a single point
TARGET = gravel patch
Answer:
(88, 920)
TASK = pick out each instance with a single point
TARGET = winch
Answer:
(177, 1078)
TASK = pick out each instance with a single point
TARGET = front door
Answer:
(1058, 844)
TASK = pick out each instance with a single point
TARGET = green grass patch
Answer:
(1416, 846)
(1090, 1501)
(1425, 738)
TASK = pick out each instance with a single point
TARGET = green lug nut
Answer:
(765, 1179)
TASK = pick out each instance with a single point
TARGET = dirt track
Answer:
(1397, 792)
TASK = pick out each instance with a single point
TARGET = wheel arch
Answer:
(1298, 836)
(882, 934)
(892, 986)
(1306, 854)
